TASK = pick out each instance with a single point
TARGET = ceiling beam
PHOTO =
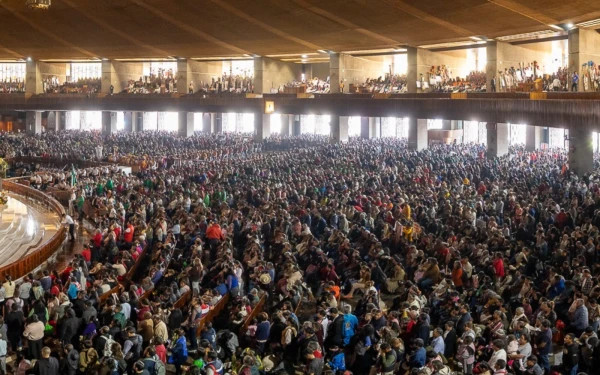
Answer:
(332, 17)
(100, 22)
(187, 28)
(43, 30)
(265, 26)
(524, 11)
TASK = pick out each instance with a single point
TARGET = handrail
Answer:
(253, 314)
(35, 259)
(216, 310)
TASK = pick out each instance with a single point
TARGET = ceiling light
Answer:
(476, 38)
(39, 4)
(556, 27)
(569, 26)
(322, 51)
(304, 56)
(28, 58)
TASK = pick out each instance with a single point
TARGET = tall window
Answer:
(85, 71)
(198, 121)
(354, 126)
(238, 122)
(275, 122)
(11, 72)
(244, 68)
(120, 121)
(471, 132)
(518, 134)
(171, 121)
(389, 127)
(155, 67)
(91, 120)
(556, 137)
(436, 124)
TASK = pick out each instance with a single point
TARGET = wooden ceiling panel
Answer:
(191, 28)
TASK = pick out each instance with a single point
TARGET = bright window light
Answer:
(75, 117)
(436, 124)
(354, 126)
(171, 121)
(198, 119)
(518, 134)
(275, 123)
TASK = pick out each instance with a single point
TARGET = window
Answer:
(389, 127)
(155, 68)
(471, 132)
(436, 124)
(73, 120)
(275, 122)
(518, 134)
(150, 121)
(85, 71)
(354, 124)
(238, 122)
(91, 120)
(120, 121)
(170, 121)
(12, 72)
(556, 138)
(198, 119)
(483, 133)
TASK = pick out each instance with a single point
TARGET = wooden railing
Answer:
(253, 314)
(215, 311)
(36, 258)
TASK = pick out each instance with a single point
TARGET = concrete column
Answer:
(584, 46)
(61, 121)
(287, 125)
(216, 122)
(184, 76)
(339, 129)
(259, 75)
(375, 127)
(128, 121)
(497, 139)
(417, 134)
(581, 150)
(33, 78)
(109, 122)
(52, 121)
(109, 78)
(335, 70)
(186, 124)
(207, 123)
(533, 138)
(33, 122)
(262, 126)
(412, 75)
(367, 127)
(447, 125)
(491, 67)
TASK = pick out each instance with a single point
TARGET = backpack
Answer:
(159, 366)
(108, 345)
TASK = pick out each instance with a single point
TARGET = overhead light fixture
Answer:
(476, 38)
(39, 4)
(322, 51)
(28, 58)
(556, 27)
(569, 26)
(304, 56)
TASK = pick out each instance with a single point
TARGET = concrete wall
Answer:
(126, 71)
(421, 60)
(48, 70)
(319, 70)
(203, 72)
(357, 70)
(584, 46)
(271, 73)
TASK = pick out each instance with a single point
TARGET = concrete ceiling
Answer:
(83, 29)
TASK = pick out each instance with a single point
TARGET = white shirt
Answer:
(526, 351)
(69, 219)
(500, 354)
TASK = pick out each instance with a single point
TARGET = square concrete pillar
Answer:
(335, 70)
(491, 67)
(287, 125)
(51, 125)
(61, 121)
(186, 124)
(262, 126)
(216, 122)
(33, 122)
(497, 139)
(581, 150)
(128, 118)
(368, 127)
(533, 138)
(339, 129)
(417, 134)
(109, 78)
(412, 75)
(584, 46)
(207, 123)
(109, 122)
(33, 78)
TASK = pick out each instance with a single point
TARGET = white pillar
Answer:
(33, 122)
(497, 139)
(186, 124)
(109, 122)
(533, 138)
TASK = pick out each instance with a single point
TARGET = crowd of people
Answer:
(241, 83)
(52, 85)
(12, 86)
(161, 82)
(363, 258)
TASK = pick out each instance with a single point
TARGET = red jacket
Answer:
(214, 232)
(498, 267)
